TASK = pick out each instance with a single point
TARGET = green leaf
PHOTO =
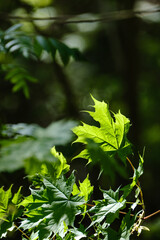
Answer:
(108, 208)
(39, 141)
(13, 28)
(17, 196)
(8, 209)
(85, 188)
(62, 166)
(29, 46)
(43, 43)
(19, 77)
(79, 233)
(63, 50)
(109, 137)
(53, 207)
(124, 232)
(5, 197)
(34, 236)
(137, 173)
(126, 226)
(110, 234)
(109, 165)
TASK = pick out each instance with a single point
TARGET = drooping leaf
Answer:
(53, 207)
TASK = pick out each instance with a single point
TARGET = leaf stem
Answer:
(133, 203)
(21, 231)
(130, 163)
(91, 221)
(138, 184)
(132, 215)
(152, 214)
(90, 205)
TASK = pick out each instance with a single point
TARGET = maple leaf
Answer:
(111, 134)
(53, 207)
(84, 190)
(108, 208)
(8, 209)
(62, 164)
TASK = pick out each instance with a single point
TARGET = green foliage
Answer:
(85, 189)
(29, 145)
(53, 207)
(106, 141)
(111, 133)
(62, 166)
(56, 200)
(9, 209)
(14, 42)
(108, 208)
(19, 77)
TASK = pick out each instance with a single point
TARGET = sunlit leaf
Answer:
(53, 206)
(8, 209)
(105, 141)
(85, 188)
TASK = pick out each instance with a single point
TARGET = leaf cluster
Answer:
(14, 43)
(9, 210)
(28, 145)
(59, 207)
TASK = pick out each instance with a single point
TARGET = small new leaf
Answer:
(85, 189)
(62, 166)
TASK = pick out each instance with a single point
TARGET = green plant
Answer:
(56, 199)
(28, 145)
(15, 44)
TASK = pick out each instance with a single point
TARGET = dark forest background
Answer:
(117, 61)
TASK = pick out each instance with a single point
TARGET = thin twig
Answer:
(90, 205)
(21, 231)
(130, 163)
(68, 19)
(138, 183)
(152, 214)
(133, 203)
(132, 215)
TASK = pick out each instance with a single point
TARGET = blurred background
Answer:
(116, 59)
